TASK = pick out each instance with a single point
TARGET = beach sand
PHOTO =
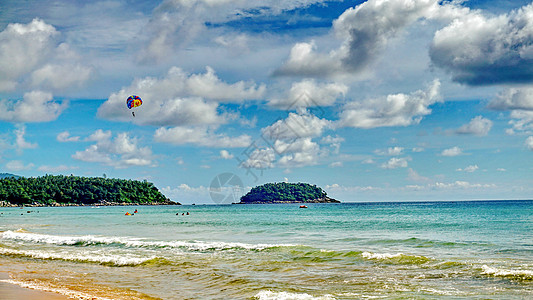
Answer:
(10, 291)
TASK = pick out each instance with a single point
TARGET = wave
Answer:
(397, 258)
(269, 295)
(103, 259)
(507, 273)
(91, 240)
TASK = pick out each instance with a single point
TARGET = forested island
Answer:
(283, 192)
(62, 190)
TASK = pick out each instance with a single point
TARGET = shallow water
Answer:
(417, 250)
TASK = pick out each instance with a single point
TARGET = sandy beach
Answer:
(14, 292)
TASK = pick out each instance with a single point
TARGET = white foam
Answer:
(62, 291)
(506, 272)
(129, 242)
(370, 255)
(117, 260)
(270, 295)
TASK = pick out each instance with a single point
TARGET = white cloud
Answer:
(365, 30)
(17, 165)
(22, 48)
(469, 169)
(460, 185)
(393, 110)
(296, 126)
(298, 153)
(522, 121)
(529, 143)
(309, 93)
(333, 142)
(55, 169)
(32, 50)
(485, 50)
(175, 24)
(454, 151)
(178, 99)
(209, 86)
(20, 141)
(119, 152)
(201, 136)
(391, 151)
(414, 176)
(35, 106)
(65, 137)
(520, 102)
(260, 159)
(478, 126)
(513, 99)
(335, 164)
(224, 154)
(395, 163)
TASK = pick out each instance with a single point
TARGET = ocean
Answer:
(406, 250)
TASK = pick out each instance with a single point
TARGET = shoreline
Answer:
(87, 205)
(12, 291)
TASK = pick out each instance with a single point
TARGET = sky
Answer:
(404, 100)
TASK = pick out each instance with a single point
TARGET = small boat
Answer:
(303, 206)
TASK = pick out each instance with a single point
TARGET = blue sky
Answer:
(371, 100)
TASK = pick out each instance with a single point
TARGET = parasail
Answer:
(134, 101)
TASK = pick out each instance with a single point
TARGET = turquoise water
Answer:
(423, 250)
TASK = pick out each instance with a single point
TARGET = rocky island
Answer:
(72, 190)
(283, 192)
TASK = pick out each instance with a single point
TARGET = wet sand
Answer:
(10, 291)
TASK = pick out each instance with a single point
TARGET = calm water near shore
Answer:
(422, 250)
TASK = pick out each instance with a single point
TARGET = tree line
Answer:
(61, 189)
(283, 192)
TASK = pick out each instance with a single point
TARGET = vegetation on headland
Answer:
(62, 190)
(283, 192)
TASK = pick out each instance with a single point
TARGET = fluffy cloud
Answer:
(259, 159)
(22, 48)
(365, 30)
(31, 50)
(395, 163)
(200, 136)
(392, 151)
(481, 50)
(469, 169)
(529, 143)
(309, 93)
(513, 99)
(520, 102)
(179, 99)
(296, 126)
(174, 24)
(392, 110)
(478, 126)
(17, 165)
(35, 106)
(299, 153)
(20, 141)
(65, 137)
(224, 154)
(454, 151)
(55, 169)
(119, 152)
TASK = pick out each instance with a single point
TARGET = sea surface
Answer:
(419, 250)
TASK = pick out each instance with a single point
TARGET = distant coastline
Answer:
(57, 191)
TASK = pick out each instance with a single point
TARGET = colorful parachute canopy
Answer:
(134, 101)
